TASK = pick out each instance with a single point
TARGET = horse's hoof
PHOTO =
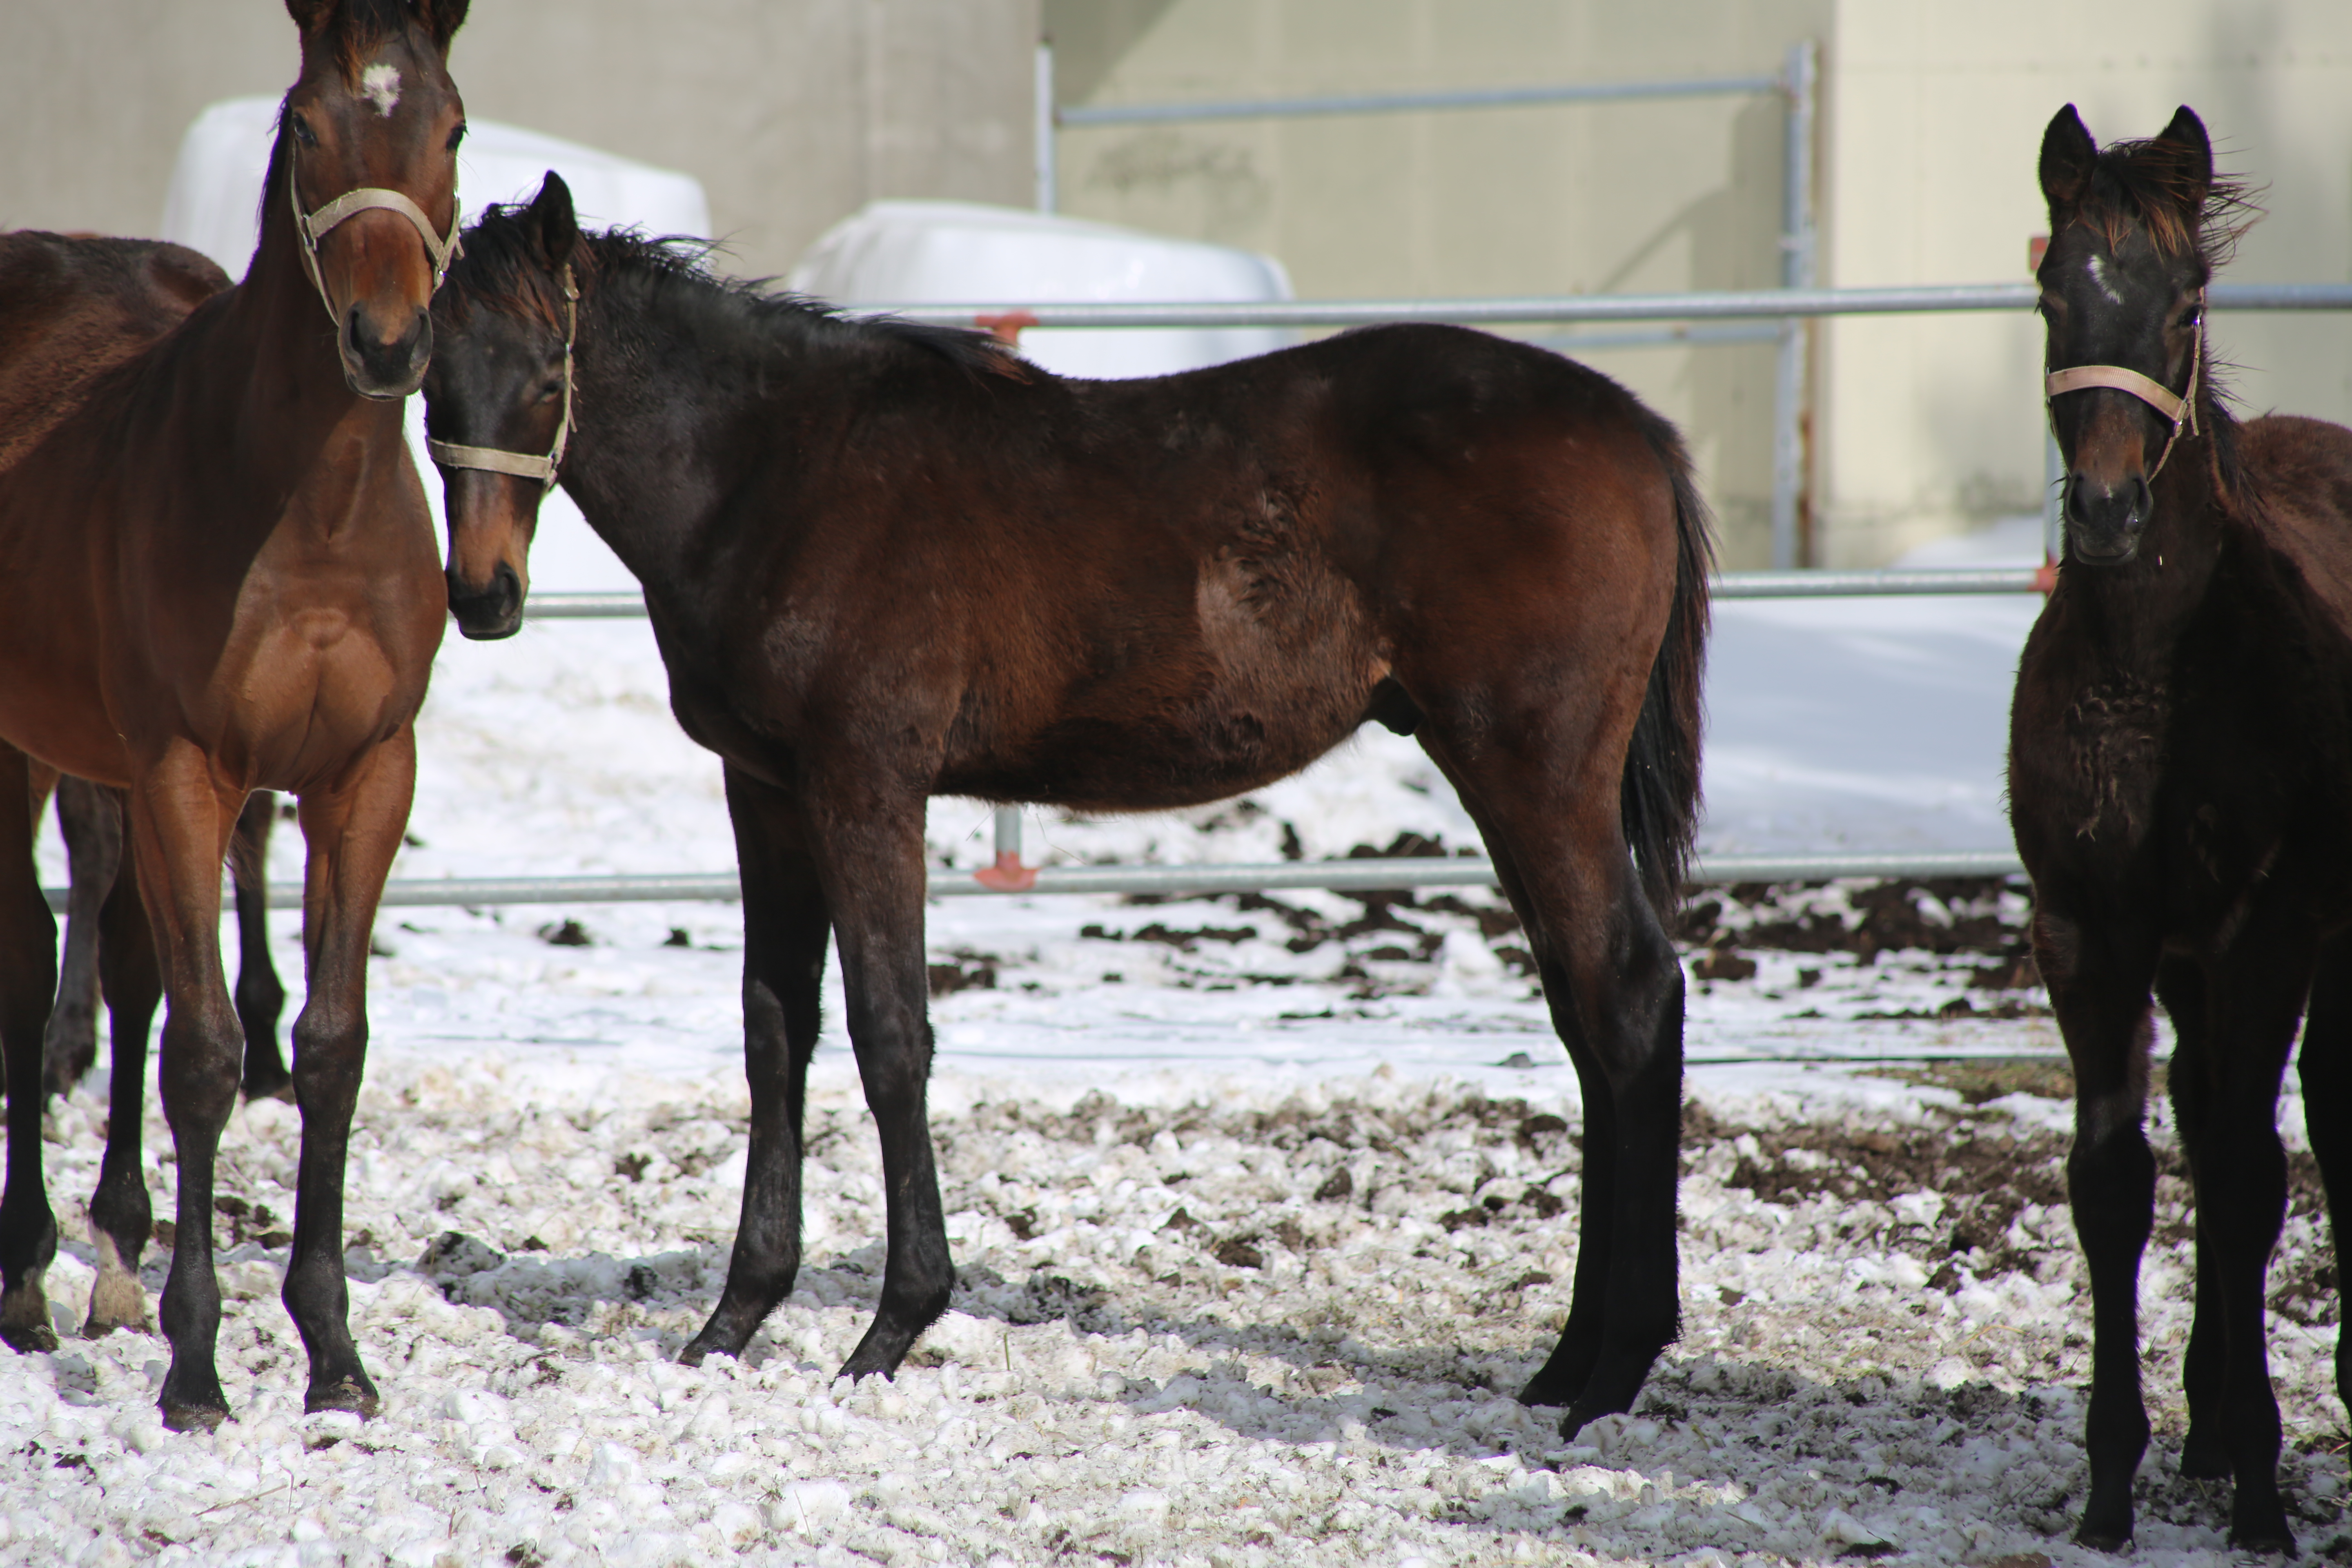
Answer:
(191, 1416)
(2102, 1540)
(355, 1395)
(2269, 1542)
(1550, 1387)
(1580, 1415)
(117, 1301)
(30, 1339)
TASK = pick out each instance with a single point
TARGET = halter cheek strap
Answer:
(309, 228)
(525, 465)
(2180, 408)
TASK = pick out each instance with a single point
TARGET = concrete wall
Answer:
(791, 112)
(1935, 118)
(1617, 198)
(1932, 114)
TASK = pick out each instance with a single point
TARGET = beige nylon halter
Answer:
(309, 228)
(2180, 408)
(524, 465)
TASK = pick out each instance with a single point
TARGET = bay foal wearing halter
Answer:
(888, 561)
(2180, 782)
(217, 575)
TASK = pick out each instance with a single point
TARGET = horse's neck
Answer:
(2140, 610)
(647, 493)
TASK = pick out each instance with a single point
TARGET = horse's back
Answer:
(2300, 472)
(72, 308)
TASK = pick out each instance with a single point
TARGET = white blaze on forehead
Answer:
(380, 85)
(2098, 271)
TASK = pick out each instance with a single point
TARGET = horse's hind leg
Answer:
(868, 841)
(120, 1217)
(1546, 800)
(784, 934)
(2325, 1066)
(28, 978)
(90, 817)
(260, 995)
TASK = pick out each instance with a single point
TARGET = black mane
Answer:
(504, 268)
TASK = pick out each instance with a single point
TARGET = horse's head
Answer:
(2134, 240)
(498, 399)
(367, 144)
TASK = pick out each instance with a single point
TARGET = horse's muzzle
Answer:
(2105, 522)
(381, 367)
(488, 614)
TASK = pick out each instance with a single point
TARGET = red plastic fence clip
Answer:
(1005, 329)
(1008, 874)
(2045, 578)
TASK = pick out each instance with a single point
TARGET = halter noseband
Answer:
(2180, 408)
(309, 228)
(524, 465)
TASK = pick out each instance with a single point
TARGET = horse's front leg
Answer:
(29, 979)
(2099, 976)
(352, 831)
(180, 819)
(871, 861)
(785, 928)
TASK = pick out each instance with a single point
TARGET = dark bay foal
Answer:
(887, 562)
(2180, 782)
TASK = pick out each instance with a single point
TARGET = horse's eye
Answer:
(552, 391)
(303, 134)
(456, 134)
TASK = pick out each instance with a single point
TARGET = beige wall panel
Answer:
(1935, 121)
(1663, 196)
(791, 112)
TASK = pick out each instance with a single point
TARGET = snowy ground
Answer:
(1181, 1335)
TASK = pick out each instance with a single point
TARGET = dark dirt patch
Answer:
(963, 971)
(1986, 1175)
(1934, 914)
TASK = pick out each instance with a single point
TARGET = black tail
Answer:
(1659, 798)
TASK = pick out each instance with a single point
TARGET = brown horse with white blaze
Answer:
(887, 562)
(217, 576)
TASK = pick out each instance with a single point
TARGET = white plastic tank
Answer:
(963, 253)
(213, 205)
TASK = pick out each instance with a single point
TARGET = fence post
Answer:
(1044, 128)
(1796, 272)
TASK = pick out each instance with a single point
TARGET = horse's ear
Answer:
(2068, 155)
(2195, 148)
(442, 18)
(554, 221)
(310, 15)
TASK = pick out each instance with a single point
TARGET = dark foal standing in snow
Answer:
(2180, 782)
(217, 576)
(888, 561)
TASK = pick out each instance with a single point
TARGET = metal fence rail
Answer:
(1715, 305)
(1365, 875)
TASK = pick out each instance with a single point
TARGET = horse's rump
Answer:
(72, 308)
